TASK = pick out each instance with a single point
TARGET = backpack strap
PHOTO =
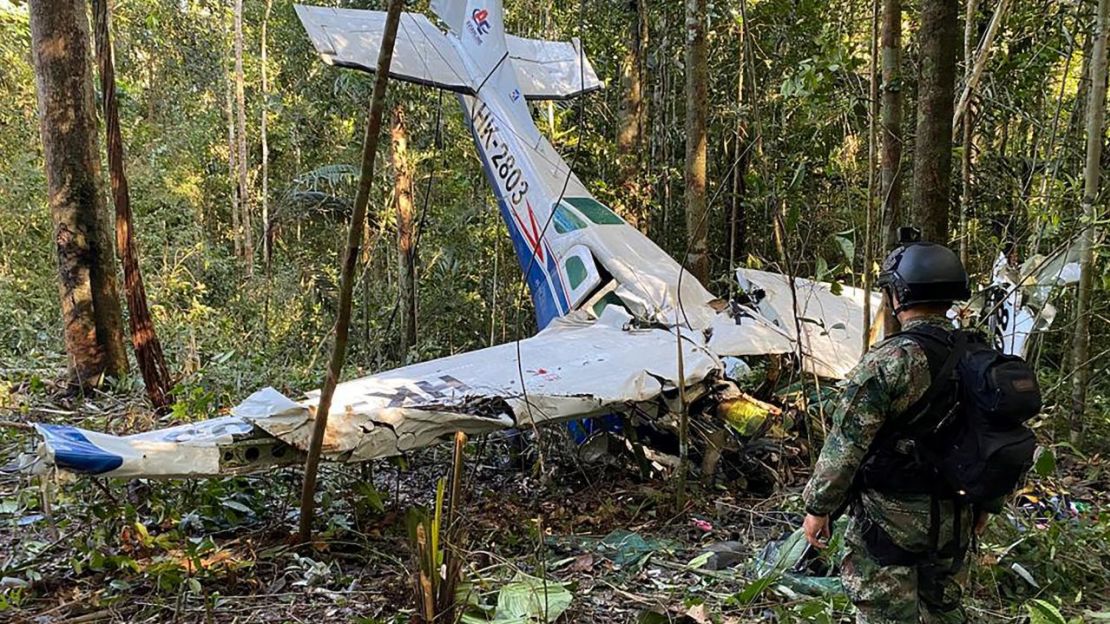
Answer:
(941, 374)
(939, 344)
(955, 345)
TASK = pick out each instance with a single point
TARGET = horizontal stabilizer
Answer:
(423, 54)
(351, 38)
(551, 70)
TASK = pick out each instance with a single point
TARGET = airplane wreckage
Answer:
(622, 329)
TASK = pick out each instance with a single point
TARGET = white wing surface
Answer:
(573, 369)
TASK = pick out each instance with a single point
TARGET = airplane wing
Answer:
(575, 368)
(830, 324)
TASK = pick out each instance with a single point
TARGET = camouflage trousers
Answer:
(896, 594)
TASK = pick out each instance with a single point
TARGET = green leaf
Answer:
(1043, 612)
(822, 267)
(1044, 462)
(699, 561)
(847, 247)
(237, 506)
(527, 600)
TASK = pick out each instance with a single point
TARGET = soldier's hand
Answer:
(816, 529)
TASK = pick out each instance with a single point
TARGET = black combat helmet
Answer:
(918, 272)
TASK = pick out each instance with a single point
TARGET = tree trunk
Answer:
(93, 321)
(267, 234)
(144, 340)
(932, 162)
(630, 136)
(891, 174)
(697, 221)
(1096, 112)
(968, 127)
(872, 161)
(738, 218)
(975, 69)
(347, 274)
(406, 251)
(233, 168)
(241, 137)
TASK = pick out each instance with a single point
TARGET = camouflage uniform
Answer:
(887, 381)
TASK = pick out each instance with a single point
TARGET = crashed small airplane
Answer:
(622, 328)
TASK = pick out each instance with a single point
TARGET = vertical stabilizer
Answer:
(480, 28)
(451, 12)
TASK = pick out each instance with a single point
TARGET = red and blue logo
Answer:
(481, 21)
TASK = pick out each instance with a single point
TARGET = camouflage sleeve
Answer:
(881, 385)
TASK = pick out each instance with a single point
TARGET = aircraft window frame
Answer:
(567, 220)
(575, 266)
(595, 211)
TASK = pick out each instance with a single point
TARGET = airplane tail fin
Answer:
(480, 27)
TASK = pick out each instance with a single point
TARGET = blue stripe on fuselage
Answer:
(543, 281)
(74, 452)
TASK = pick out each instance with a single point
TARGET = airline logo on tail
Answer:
(479, 23)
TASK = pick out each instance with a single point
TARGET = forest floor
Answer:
(220, 550)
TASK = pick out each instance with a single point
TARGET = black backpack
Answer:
(966, 438)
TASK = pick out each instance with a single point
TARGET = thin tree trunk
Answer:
(267, 234)
(406, 258)
(968, 127)
(91, 314)
(1079, 112)
(932, 162)
(738, 221)
(233, 171)
(872, 161)
(350, 259)
(975, 70)
(632, 113)
(241, 137)
(697, 222)
(891, 173)
(1096, 111)
(144, 339)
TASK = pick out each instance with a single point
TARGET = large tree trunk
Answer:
(890, 188)
(406, 228)
(932, 160)
(697, 221)
(1096, 112)
(241, 137)
(633, 115)
(86, 265)
(144, 340)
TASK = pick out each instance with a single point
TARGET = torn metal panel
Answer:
(831, 325)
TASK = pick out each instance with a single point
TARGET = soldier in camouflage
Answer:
(920, 281)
